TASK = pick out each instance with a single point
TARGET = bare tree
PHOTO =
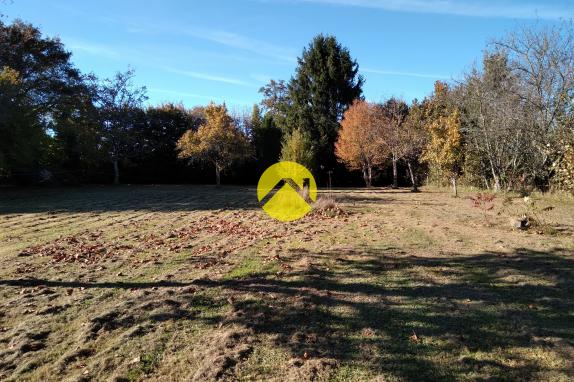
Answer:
(542, 61)
(500, 131)
(393, 115)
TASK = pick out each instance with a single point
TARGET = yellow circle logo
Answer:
(286, 191)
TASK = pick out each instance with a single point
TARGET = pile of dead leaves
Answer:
(327, 208)
(83, 248)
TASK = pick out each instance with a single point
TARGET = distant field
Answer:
(197, 283)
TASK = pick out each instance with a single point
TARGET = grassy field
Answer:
(195, 283)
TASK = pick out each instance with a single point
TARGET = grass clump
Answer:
(250, 267)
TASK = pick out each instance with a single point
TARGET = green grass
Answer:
(252, 266)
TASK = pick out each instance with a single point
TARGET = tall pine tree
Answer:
(325, 84)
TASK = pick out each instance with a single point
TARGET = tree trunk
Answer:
(454, 186)
(217, 175)
(395, 174)
(365, 176)
(495, 177)
(370, 175)
(116, 172)
(412, 174)
(496, 185)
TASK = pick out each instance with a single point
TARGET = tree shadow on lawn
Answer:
(468, 312)
(164, 198)
(128, 198)
(465, 328)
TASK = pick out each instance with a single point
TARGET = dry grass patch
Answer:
(183, 283)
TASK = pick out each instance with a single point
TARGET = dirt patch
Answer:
(221, 353)
(314, 369)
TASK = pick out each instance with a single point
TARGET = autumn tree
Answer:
(359, 142)
(218, 141)
(444, 149)
(564, 165)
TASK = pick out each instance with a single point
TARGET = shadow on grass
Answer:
(479, 317)
(164, 198)
(468, 326)
(127, 198)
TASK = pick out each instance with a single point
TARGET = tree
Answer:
(541, 60)
(413, 138)
(38, 83)
(564, 164)
(20, 131)
(359, 143)
(120, 105)
(499, 127)
(393, 114)
(325, 84)
(218, 141)
(46, 74)
(156, 159)
(276, 102)
(255, 119)
(298, 147)
(75, 132)
(444, 148)
(267, 141)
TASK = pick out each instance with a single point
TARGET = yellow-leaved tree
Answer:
(218, 141)
(444, 148)
(359, 142)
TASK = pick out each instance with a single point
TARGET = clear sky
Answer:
(197, 51)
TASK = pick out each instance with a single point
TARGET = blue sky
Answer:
(198, 51)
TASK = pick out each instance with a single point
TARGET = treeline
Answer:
(59, 125)
(506, 125)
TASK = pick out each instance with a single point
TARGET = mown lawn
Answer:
(197, 283)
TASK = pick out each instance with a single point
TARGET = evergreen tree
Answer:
(325, 84)
(267, 141)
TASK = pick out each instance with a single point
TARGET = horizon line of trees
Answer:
(507, 124)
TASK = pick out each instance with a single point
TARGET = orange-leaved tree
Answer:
(218, 141)
(359, 141)
(444, 148)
